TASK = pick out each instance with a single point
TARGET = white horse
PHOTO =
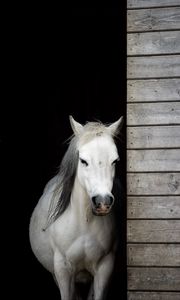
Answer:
(72, 229)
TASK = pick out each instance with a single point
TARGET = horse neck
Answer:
(80, 202)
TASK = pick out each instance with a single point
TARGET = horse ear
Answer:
(76, 127)
(115, 127)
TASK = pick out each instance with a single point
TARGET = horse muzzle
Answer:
(101, 205)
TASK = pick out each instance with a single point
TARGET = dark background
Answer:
(55, 66)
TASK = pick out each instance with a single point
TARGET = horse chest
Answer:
(84, 246)
(85, 253)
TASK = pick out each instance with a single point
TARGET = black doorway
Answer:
(76, 66)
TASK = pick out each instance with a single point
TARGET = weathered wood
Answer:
(153, 231)
(153, 114)
(153, 43)
(153, 226)
(153, 255)
(157, 207)
(151, 3)
(157, 279)
(153, 184)
(153, 296)
(153, 137)
(153, 19)
(153, 90)
(153, 160)
(153, 66)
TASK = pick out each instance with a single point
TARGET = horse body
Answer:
(77, 242)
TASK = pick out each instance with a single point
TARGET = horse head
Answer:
(98, 155)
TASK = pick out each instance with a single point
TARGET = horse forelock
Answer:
(91, 131)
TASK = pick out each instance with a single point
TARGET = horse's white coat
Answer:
(97, 177)
(78, 243)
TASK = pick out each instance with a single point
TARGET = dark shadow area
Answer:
(71, 65)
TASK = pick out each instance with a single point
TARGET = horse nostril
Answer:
(94, 200)
(111, 200)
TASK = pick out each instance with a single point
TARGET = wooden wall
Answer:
(153, 149)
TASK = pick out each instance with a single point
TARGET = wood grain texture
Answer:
(153, 255)
(153, 154)
(157, 279)
(153, 114)
(153, 66)
(153, 160)
(153, 19)
(153, 295)
(153, 137)
(153, 207)
(153, 43)
(151, 3)
(153, 184)
(153, 90)
(153, 231)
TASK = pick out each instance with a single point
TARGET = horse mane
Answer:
(67, 171)
(66, 175)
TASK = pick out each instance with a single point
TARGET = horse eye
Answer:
(84, 162)
(115, 161)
